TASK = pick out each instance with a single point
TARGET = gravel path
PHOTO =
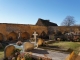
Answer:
(55, 55)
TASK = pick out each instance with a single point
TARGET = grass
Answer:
(1, 53)
(75, 46)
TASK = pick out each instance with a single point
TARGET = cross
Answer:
(35, 36)
(19, 35)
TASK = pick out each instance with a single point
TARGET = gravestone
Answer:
(40, 42)
(27, 46)
(8, 51)
(35, 36)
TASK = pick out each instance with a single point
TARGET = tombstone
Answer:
(8, 51)
(35, 37)
(27, 46)
(40, 42)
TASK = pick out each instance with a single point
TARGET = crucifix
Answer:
(19, 35)
(35, 35)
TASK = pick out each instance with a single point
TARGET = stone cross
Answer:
(19, 35)
(35, 34)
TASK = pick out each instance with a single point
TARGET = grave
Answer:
(8, 50)
(27, 46)
(35, 39)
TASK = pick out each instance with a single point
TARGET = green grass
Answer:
(75, 46)
(1, 53)
(71, 45)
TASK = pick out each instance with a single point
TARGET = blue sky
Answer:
(28, 11)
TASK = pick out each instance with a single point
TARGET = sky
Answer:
(28, 11)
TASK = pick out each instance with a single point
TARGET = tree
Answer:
(68, 21)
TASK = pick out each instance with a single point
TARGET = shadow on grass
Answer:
(56, 48)
(2, 49)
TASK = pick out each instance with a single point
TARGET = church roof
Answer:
(45, 22)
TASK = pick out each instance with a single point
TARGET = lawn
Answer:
(75, 46)
(1, 53)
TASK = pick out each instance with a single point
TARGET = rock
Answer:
(40, 42)
(28, 46)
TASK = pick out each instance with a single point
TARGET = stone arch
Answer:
(1, 37)
(12, 36)
(43, 35)
(25, 36)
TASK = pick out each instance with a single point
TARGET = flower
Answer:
(19, 43)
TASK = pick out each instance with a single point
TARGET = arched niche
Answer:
(25, 36)
(12, 36)
(43, 35)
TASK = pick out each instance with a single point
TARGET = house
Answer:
(42, 22)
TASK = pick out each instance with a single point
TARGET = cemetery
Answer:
(43, 41)
(38, 49)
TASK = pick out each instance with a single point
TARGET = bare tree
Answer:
(68, 21)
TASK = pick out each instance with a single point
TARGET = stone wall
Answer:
(75, 30)
(7, 29)
(64, 28)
